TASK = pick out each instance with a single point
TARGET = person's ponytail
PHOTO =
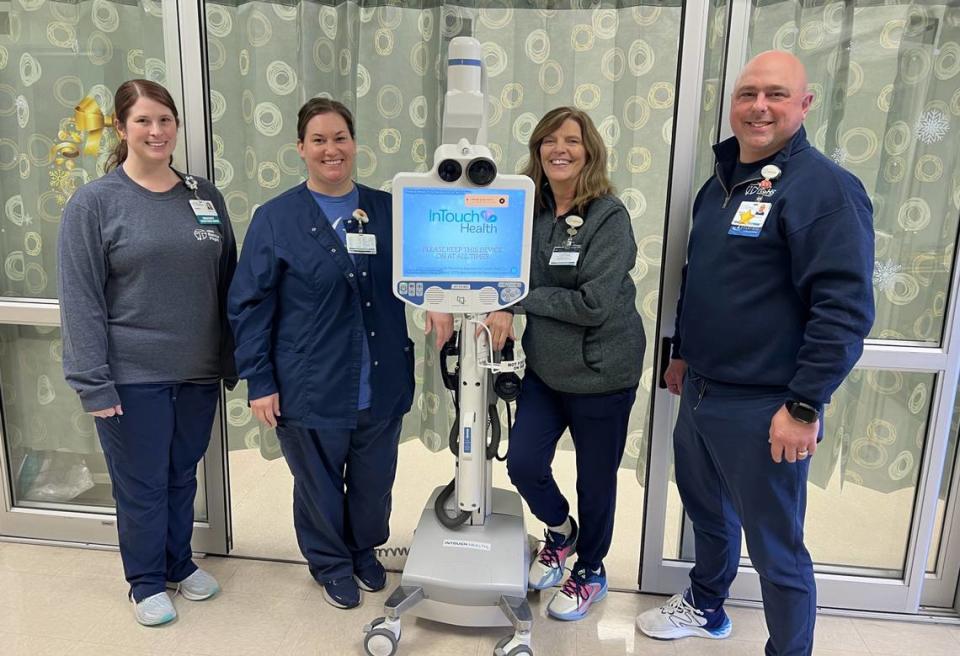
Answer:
(117, 157)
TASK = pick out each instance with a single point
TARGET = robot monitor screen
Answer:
(455, 233)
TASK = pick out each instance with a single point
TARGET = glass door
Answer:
(387, 62)
(884, 78)
(60, 63)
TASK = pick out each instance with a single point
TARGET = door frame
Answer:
(840, 587)
(184, 41)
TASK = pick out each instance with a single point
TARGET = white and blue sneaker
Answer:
(154, 610)
(584, 588)
(547, 568)
(198, 586)
(680, 618)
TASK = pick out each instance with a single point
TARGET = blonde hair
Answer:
(593, 181)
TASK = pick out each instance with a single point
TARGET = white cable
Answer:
(489, 341)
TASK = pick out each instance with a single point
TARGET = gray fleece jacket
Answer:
(584, 334)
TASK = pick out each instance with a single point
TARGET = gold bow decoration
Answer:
(89, 117)
(80, 135)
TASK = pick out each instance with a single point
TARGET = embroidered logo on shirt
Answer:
(204, 234)
(757, 190)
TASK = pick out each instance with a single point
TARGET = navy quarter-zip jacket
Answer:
(792, 306)
(300, 309)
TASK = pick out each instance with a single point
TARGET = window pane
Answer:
(56, 55)
(885, 79)
(863, 477)
(54, 456)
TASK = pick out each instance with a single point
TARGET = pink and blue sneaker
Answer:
(547, 568)
(584, 588)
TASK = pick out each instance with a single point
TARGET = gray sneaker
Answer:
(154, 610)
(198, 586)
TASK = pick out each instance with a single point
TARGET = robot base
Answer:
(468, 576)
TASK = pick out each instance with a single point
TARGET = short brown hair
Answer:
(593, 181)
(316, 106)
(126, 97)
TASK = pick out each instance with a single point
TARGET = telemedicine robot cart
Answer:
(462, 238)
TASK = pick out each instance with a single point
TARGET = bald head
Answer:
(780, 63)
(770, 101)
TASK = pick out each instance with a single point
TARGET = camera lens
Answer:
(481, 171)
(449, 170)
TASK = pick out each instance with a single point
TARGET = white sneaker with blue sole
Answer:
(678, 618)
(198, 586)
(154, 610)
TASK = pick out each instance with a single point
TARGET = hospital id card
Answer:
(359, 243)
(749, 219)
(565, 255)
(205, 212)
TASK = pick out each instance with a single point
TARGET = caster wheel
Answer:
(380, 642)
(520, 650)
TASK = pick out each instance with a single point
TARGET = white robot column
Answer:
(461, 244)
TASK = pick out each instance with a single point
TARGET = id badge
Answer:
(359, 243)
(205, 212)
(749, 219)
(565, 255)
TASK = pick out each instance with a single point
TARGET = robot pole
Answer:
(472, 466)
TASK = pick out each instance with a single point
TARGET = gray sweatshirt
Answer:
(143, 288)
(584, 334)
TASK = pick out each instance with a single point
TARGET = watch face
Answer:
(803, 412)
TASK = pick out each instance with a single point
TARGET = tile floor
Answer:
(57, 601)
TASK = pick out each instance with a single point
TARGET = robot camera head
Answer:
(480, 170)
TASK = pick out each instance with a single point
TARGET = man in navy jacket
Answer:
(775, 302)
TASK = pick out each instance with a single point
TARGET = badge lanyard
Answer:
(569, 253)
(359, 243)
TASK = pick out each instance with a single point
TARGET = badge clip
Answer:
(574, 222)
(190, 183)
(770, 172)
(357, 220)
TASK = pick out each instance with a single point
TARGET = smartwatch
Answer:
(802, 412)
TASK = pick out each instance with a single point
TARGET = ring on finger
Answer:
(802, 453)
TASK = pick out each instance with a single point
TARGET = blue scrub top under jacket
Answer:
(299, 307)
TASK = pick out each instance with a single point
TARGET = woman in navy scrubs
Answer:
(322, 342)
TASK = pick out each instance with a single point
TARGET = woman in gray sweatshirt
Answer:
(584, 345)
(146, 255)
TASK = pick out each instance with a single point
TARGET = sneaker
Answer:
(547, 568)
(154, 610)
(198, 586)
(342, 592)
(584, 588)
(372, 578)
(679, 618)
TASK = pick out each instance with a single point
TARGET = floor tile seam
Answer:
(224, 592)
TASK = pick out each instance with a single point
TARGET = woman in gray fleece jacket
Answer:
(584, 344)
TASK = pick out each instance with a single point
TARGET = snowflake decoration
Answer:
(839, 155)
(932, 126)
(884, 274)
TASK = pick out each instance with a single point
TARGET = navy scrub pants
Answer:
(342, 482)
(598, 425)
(727, 480)
(152, 451)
